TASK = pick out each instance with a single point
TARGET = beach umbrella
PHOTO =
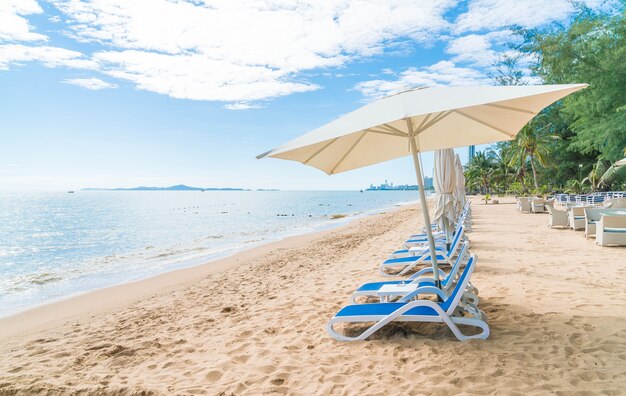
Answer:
(459, 192)
(421, 120)
(444, 182)
(621, 162)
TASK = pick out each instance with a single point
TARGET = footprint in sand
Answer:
(213, 375)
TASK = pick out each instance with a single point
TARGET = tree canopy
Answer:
(578, 137)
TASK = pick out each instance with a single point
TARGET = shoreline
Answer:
(76, 306)
(176, 263)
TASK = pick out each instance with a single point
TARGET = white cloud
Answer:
(13, 24)
(94, 84)
(242, 106)
(480, 50)
(441, 73)
(496, 14)
(241, 51)
(48, 56)
(193, 76)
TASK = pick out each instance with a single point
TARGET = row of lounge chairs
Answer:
(416, 298)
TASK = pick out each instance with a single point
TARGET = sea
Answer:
(57, 245)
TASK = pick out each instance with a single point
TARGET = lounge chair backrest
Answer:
(457, 264)
(455, 241)
(451, 303)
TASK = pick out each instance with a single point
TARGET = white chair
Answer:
(592, 216)
(611, 230)
(558, 218)
(615, 203)
(537, 205)
(523, 204)
(577, 218)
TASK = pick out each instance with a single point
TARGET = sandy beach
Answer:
(254, 323)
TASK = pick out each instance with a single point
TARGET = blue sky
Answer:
(120, 93)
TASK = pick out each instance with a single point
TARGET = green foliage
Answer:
(591, 50)
(532, 144)
(574, 187)
(570, 145)
(507, 71)
(478, 174)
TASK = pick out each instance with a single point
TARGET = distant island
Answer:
(428, 185)
(180, 187)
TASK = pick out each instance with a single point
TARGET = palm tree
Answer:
(574, 186)
(603, 175)
(502, 171)
(479, 171)
(532, 144)
(595, 176)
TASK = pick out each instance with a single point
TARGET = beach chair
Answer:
(611, 230)
(416, 247)
(537, 205)
(558, 218)
(420, 279)
(523, 204)
(615, 203)
(439, 235)
(405, 264)
(448, 311)
(577, 218)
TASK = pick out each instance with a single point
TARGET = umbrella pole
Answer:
(429, 232)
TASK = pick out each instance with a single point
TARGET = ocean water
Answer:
(54, 245)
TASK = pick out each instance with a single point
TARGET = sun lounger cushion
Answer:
(383, 309)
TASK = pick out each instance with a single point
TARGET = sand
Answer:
(254, 323)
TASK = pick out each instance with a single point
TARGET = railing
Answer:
(589, 199)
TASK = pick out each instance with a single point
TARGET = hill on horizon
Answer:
(178, 187)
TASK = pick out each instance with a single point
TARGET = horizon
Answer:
(99, 94)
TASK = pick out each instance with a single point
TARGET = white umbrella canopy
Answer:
(444, 182)
(459, 192)
(441, 117)
(621, 162)
(421, 120)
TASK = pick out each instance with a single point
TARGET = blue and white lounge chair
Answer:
(406, 264)
(438, 234)
(449, 312)
(419, 280)
(417, 248)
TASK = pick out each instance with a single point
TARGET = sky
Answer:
(121, 93)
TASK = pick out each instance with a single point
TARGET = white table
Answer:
(395, 290)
